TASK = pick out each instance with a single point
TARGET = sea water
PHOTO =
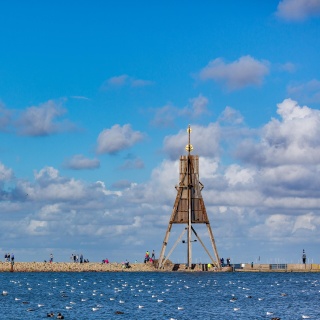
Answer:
(160, 295)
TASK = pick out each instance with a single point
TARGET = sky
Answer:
(95, 100)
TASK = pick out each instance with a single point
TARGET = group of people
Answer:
(8, 257)
(147, 257)
(222, 262)
(78, 259)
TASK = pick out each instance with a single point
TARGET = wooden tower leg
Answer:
(164, 246)
(174, 246)
(205, 248)
(213, 243)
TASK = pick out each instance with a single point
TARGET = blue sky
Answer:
(95, 99)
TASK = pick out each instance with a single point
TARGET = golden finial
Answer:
(189, 146)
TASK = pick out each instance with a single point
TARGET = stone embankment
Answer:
(97, 267)
(73, 267)
(283, 267)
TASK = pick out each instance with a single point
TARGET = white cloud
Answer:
(117, 138)
(50, 185)
(288, 67)
(42, 120)
(132, 164)
(237, 175)
(36, 227)
(304, 222)
(165, 116)
(298, 10)
(231, 115)
(6, 174)
(141, 83)
(125, 80)
(80, 97)
(308, 92)
(246, 71)
(80, 162)
(118, 80)
(252, 205)
(294, 139)
(205, 141)
(198, 106)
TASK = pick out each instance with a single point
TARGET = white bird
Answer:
(269, 313)
(95, 309)
(40, 305)
(180, 308)
(111, 298)
(140, 307)
(305, 317)
(68, 307)
(159, 300)
(4, 293)
(121, 301)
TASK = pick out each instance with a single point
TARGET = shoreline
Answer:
(144, 267)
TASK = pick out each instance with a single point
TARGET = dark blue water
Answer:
(160, 295)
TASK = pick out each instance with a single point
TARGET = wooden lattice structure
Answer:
(189, 209)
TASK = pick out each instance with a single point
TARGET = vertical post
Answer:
(189, 203)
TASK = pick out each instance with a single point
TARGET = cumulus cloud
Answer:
(308, 92)
(205, 141)
(261, 200)
(231, 115)
(198, 107)
(165, 116)
(117, 138)
(294, 138)
(6, 174)
(132, 164)
(79, 162)
(42, 120)
(122, 184)
(246, 71)
(125, 80)
(298, 10)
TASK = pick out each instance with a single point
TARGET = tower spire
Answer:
(189, 146)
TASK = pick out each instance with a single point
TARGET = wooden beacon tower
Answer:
(189, 209)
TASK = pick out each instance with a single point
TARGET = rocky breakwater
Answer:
(75, 267)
